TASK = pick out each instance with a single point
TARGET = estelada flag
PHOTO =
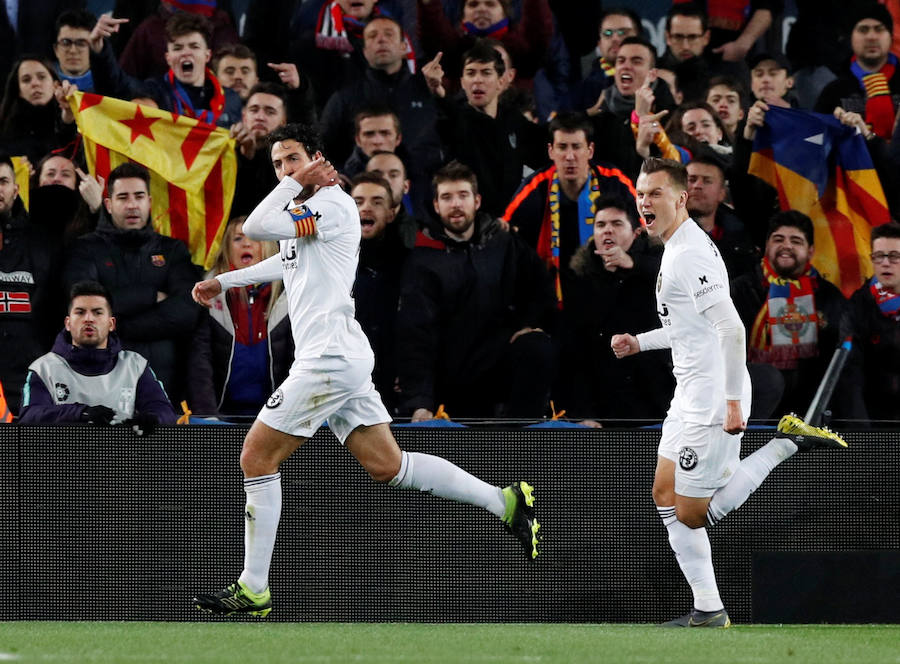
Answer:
(23, 177)
(823, 169)
(192, 165)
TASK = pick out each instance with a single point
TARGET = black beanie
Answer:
(876, 11)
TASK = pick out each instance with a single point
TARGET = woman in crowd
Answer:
(243, 348)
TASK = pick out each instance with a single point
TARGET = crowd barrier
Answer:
(98, 524)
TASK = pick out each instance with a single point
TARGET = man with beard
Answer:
(188, 88)
(88, 377)
(26, 289)
(475, 308)
(792, 313)
(377, 287)
(149, 276)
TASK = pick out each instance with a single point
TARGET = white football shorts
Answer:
(331, 387)
(705, 455)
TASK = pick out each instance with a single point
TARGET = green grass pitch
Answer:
(324, 643)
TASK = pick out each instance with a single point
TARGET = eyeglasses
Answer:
(893, 257)
(621, 32)
(80, 44)
(678, 37)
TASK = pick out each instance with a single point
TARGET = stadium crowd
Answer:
(491, 147)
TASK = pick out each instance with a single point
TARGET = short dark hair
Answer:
(367, 177)
(794, 219)
(305, 135)
(127, 170)
(75, 18)
(235, 50)
(271, 88)
(707, 156)
(393, 154)
(89, 288)
(570, 122)
(729, 82)
(622, 11)
(6, 159)
(676, 171)
(375, 112)
(484, 52)
(184, 23)
(454, 171)
(640, 41)
(889, 230)
(619, 202)
(689, 10)
(385, 17)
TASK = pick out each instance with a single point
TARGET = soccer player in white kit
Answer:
(318, 227)
(699, 474)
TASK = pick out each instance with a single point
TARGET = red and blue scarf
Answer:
(887, 300)
(203, 7)
(879, 104)
(496, 31)
(184, 106)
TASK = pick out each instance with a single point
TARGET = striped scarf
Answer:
(888, 301)
(786, 328)
(203, 7)
(549, 238)
(879, 104)
(335, 28)
(184, 106)
(495, 31)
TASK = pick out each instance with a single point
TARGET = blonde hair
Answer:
(223, 262)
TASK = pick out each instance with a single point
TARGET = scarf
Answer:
(85, 82)
(335, 28)
(184, 105)
(879, 104)
(496, 31)
(786, 328)
(609, 70)
(888, 301)
(203, 7)
(618, 103)
(548, 240)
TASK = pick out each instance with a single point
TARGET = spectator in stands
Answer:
(526, 40)
(382, 255)
(235, 67)
(391, 167)
(871, 81)
(726, 96)
(72, 48)
(736, 25)
(696, 126)
(873, 320)
(770, 79)
(707, 192)
(26, 289)
(144, 55)
(242, 348)
(88, 377)
(148, 275)
(553, 210)
(474, 304)
(188, 88)
(792, 314)
(612, 114)
(264, 111)
(495, 141)
(616, 25)
(377, 130)
(28, 27)
(64, 201)
(686, 59)
(613, 287)
(387, 79)
(35, 118)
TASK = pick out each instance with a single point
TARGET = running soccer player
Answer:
(319, 230)
(699, 474)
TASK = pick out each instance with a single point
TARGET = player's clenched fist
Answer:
(203, 292)
(624, 345)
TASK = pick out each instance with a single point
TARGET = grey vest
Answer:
(116, 389)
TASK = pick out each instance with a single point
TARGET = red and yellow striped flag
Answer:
(192, 165)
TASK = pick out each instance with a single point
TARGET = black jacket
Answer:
(599, 304)
(135, 265)
(460, 303)
(28, 317)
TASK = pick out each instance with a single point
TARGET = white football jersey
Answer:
(318, 269)
(692, 278)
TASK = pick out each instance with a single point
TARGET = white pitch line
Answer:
(7, 657)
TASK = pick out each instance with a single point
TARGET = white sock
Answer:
(438, 476)
(694, 556)
(260, 525)
(751, 472)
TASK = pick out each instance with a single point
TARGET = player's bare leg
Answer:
(377, 451)
(263, 452)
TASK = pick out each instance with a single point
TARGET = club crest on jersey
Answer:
(687, 458)
(276, 399)
(158, 260)
(62, 391)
